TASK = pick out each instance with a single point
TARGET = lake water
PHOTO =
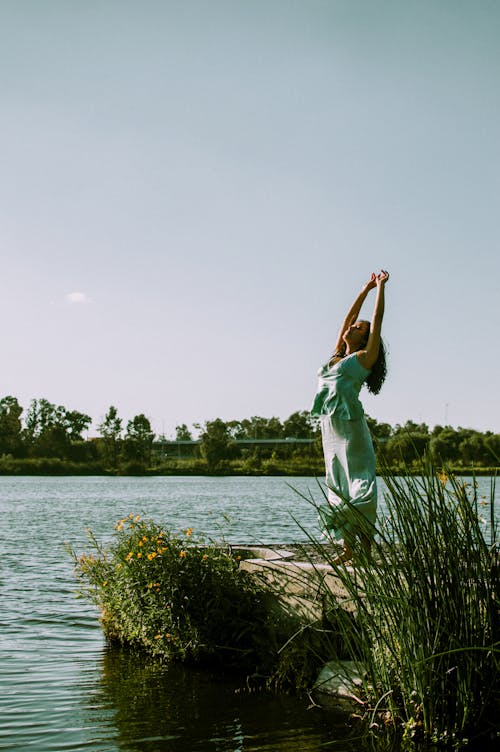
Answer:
(62, 688)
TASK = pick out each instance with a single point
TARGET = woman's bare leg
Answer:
(366, 546)
(345, 555)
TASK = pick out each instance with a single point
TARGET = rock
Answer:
(341, 681)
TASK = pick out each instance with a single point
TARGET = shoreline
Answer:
(70, 470)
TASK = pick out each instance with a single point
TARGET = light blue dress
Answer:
(348, 449)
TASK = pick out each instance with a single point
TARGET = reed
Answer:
(426, 631)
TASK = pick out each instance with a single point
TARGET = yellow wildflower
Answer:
(139, 555)
(189, 531)
(443, 477)
(150, 585)
(141, 543)
(129, 556)
(158, 637)
(204, 557)
(104, 583)
(182, 554)
(136, 518)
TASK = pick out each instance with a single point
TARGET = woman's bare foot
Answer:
(345, 555)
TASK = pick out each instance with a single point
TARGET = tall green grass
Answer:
(426, 631)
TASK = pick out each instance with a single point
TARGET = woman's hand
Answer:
(372, 282)
(381, 278)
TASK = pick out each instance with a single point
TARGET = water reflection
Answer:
(179, 708)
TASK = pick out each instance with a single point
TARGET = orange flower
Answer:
(182, 554)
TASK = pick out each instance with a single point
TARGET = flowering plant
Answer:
(175, 595)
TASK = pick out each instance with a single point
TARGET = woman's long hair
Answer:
(378, 372)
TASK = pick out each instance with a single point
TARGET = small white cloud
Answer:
(77, 297)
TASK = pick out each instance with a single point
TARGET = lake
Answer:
(62, 688)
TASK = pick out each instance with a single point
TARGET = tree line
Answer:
(50, 438)
(52, 432)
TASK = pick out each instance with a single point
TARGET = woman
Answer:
(358, 357)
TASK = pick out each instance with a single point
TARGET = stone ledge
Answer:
(299, 578)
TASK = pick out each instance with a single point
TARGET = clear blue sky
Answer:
(192, 192)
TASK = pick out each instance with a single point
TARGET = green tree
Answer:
(474, 449)
(52, 431)
(444, 446)
(492, 442)
(256, 427)
(182, 433)
(139, 441)
(41, 416)
(10, 426)
(45, 434)
(75, 423)
(299, 425)
(379, 431)
(405, 447)
(110, 429)
(410, 427)
(216, 443)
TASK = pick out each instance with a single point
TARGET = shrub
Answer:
(177, 597)
(47, 466)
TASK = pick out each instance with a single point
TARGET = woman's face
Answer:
(356, 336)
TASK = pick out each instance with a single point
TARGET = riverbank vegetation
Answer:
(178, 597)
(426, 634)
(419, 616)
(49, 439)
(172, 595)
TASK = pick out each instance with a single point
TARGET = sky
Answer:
(192, 192)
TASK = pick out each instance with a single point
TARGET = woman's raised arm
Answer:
(353, 313)
(369, 355)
